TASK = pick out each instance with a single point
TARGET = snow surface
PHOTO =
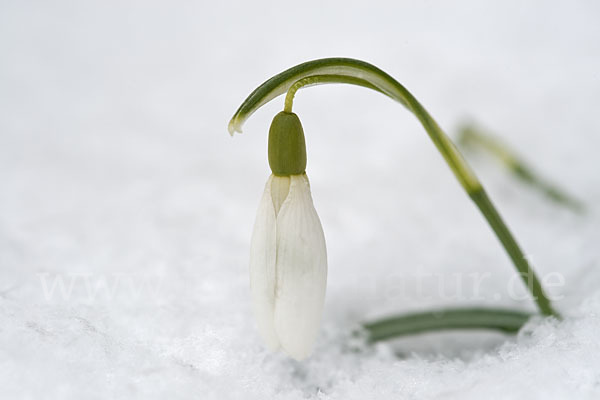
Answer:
(126, 209)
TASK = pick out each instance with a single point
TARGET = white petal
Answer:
(262, 268)
(301, 271)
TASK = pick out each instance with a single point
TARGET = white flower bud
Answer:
(288, 266)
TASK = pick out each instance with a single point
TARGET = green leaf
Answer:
(503, 320)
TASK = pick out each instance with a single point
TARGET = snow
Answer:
(126, 209)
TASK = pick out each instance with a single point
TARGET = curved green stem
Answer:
(503, 320)
(320, 79)
(347, 70)
(531, 281)
(338, 68)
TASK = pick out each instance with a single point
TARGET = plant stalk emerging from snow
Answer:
(360, 73)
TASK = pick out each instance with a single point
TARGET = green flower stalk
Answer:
(284, 158)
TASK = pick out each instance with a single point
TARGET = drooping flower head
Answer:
(288, 258)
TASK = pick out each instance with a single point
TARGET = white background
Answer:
(119, 182)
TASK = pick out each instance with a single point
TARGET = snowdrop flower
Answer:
(288, 258)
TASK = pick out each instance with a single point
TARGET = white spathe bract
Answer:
(288, 266)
